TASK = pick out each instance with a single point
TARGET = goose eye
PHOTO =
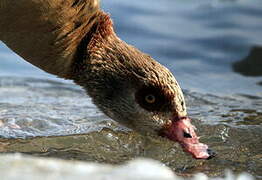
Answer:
(150, 98)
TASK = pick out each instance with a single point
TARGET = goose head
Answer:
(135, 90)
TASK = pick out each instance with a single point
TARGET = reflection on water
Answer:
(34, 107)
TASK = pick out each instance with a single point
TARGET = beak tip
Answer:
(211, 154)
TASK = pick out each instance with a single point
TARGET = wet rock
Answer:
(252, 64)
(17, 166)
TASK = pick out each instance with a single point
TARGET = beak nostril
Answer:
(186, 135)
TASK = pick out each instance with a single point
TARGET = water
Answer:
(198, 41)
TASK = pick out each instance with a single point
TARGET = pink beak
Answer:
(182, 131)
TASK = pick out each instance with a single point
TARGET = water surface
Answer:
(198, 41)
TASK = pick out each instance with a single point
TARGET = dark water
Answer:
(199, 42)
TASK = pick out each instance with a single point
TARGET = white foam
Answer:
(17, 166)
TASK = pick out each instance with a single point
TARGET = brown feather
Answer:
(46, 33)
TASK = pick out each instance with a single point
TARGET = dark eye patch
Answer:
(161, 101)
